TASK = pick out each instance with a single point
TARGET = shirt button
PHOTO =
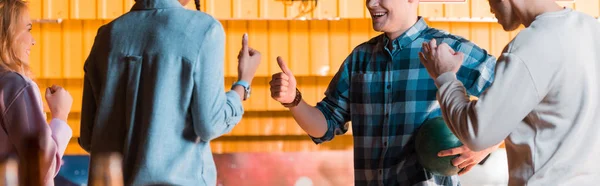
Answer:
(389, 87)
(380, 171)
(385, 144)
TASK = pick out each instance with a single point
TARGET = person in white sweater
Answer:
(545, 100)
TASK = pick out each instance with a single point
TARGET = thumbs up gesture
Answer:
(283, 84)
(248, 61)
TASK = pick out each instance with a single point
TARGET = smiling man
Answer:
(385, 91)
(545, 100)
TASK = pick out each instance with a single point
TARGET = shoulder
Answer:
(13, 85)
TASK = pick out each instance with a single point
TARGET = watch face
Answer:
(248, 90)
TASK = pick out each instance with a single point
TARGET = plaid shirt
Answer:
(387, 94)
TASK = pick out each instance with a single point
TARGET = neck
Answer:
(403, 27)
(529, 10)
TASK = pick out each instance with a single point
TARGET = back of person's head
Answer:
(11, 14)
(185, 2)
(197, 3)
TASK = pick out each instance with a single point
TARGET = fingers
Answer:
(245, 43)
(279, 89)
(253, 52)
(460, 54)
(279, 86)
(445, 47)
(453, 151)
(461, 160)
(54, 88)
(450, 49)
(280, 75)
(279, 82)
(422, 58)
(466, 169)
(426, 48)
(432, 50)
(467, 162)
(278, 92)
(283, 66)
(433, 44)
(48, 92)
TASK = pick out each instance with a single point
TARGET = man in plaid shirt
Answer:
(385, 91)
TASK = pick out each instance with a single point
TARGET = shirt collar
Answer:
(408, 36)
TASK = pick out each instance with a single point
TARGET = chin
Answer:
(377, 27)
(510, 26)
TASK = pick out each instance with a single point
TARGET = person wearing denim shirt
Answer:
(154, 92)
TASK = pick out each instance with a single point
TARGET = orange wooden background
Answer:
(314, 48)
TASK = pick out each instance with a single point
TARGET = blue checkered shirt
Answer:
(387, 94)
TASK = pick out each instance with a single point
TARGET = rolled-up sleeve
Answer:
(477, 71)
(214, 112)
(335, 106)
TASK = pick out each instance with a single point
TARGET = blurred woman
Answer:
(22, 117)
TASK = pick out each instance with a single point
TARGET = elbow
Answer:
(479, 143)
(478, 132)
(213, 124)
(208, 134)
(208, 130)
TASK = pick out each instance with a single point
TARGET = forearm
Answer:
(310, 119)
(486, 122)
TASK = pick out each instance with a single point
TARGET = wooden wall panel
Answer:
(352, 8)
(219, 8)
(110, 9)
(480, 35)
(319, 56)
(55, 9)
(247, 9)
(299, 61)
(271, 9)
(480, 8)
(327, 9)
(83, 9)
(462, 9)
(35, 9)
(72, 52)
(591, 7)
(52, 60)
(339, 47)
(35, 57)
(313, 49)
(431, 10)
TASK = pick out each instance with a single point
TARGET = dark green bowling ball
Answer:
(433, 137)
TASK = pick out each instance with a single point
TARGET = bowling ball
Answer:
(433, 137)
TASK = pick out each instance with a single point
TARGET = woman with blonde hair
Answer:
(22, 118)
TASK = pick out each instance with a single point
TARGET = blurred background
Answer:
(314, 38)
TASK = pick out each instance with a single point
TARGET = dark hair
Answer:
(197, 2)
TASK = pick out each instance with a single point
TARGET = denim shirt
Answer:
(154, 92)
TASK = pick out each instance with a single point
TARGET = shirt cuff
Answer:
(62, 133)
(445, 78)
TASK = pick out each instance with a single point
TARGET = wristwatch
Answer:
(246, 86)
(296, 101)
